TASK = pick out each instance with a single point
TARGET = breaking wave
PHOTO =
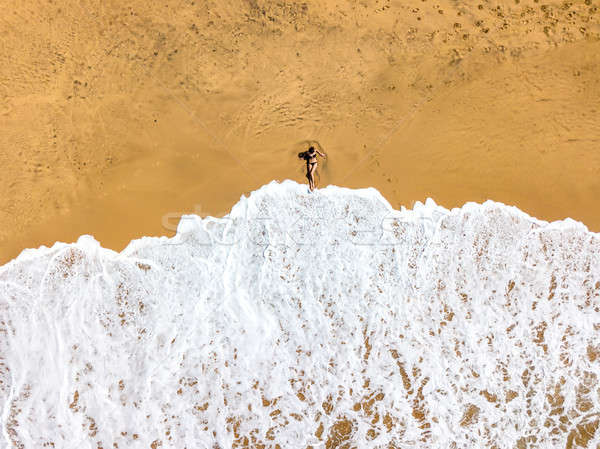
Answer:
(309, 320)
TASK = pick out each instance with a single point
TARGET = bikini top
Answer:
(307, 156)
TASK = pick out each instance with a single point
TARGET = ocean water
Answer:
(309, 320)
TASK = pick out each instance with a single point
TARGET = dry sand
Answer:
(116, 115)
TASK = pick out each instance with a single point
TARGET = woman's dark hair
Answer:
(305, 154)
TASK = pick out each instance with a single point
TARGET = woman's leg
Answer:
(308, 176)
(312, 169)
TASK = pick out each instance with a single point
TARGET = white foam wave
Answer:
(299, 320)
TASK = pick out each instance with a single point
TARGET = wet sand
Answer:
(116, 118)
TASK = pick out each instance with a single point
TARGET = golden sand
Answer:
(115, 116)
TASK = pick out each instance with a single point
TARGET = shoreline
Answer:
(170, 221)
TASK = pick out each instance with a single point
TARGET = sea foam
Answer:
(323, 319)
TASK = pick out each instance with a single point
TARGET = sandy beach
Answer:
(115, 118)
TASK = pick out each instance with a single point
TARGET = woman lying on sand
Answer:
(310, 157)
